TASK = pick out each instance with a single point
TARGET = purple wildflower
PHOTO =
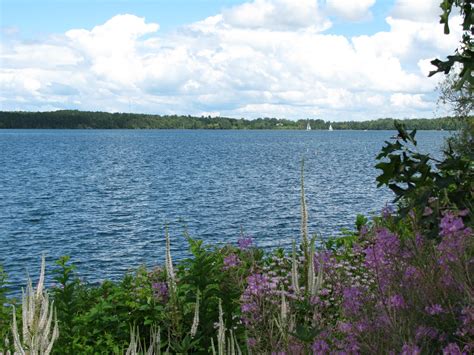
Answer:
(320, 347)
(347, 345)
(245, 242)
(388, 239)
(453, 244)
(452, 349)
(352, 344)
(231, 261)
(352, 300)
(411, 273)
(450, 224)
(364, 230)
(314, 300)
(381, 257)
(409, 349)
(434, 309)
(160, 291)
(427, 211)
(345, 327)
(387, 211)
(324, 292)
(362, 326)
(382, 320)
(260, 284)
(397, 302)
(323, 259)
(467, 322)
(419, 241)
(249, 307)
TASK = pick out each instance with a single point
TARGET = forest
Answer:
(73, 119)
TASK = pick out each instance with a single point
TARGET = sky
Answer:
(334, 60)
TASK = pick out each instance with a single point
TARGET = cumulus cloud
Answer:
(408, 100)
(261, 58)
(113, 47)
(419, 10)
(350, 9)
(277, 15)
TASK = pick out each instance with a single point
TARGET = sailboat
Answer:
(308, 127)
(330, 128)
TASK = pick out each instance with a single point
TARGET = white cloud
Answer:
(112, 47)
(408, 39)
(238, 63)
(350, 9)
(115, 37)
(408, 101)
(43, 55)
(277, 15)
(417, 10)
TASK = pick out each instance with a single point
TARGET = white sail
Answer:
(330, 128)
(308, 127)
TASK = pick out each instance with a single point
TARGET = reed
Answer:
(38, 332)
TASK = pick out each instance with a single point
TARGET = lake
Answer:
(105, 196)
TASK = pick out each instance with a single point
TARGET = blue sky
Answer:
(330, 59)
(42, 17)
(34, 17)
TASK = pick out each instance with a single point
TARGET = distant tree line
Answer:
(72, 119)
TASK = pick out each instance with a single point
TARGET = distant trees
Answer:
(69, 119)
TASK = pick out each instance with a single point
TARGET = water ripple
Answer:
(104, 197)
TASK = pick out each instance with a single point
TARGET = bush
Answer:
(424, 186)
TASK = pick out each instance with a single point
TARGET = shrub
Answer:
(424, 186)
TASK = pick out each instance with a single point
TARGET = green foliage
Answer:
(203, 272)
(186, 346)
(443, 123)
(96, 319)
(65, 296)
(348, 237)
(462, 143)
(360, 222)
(464, 55)
(424, 186)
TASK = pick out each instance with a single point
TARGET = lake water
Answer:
(104, 197)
